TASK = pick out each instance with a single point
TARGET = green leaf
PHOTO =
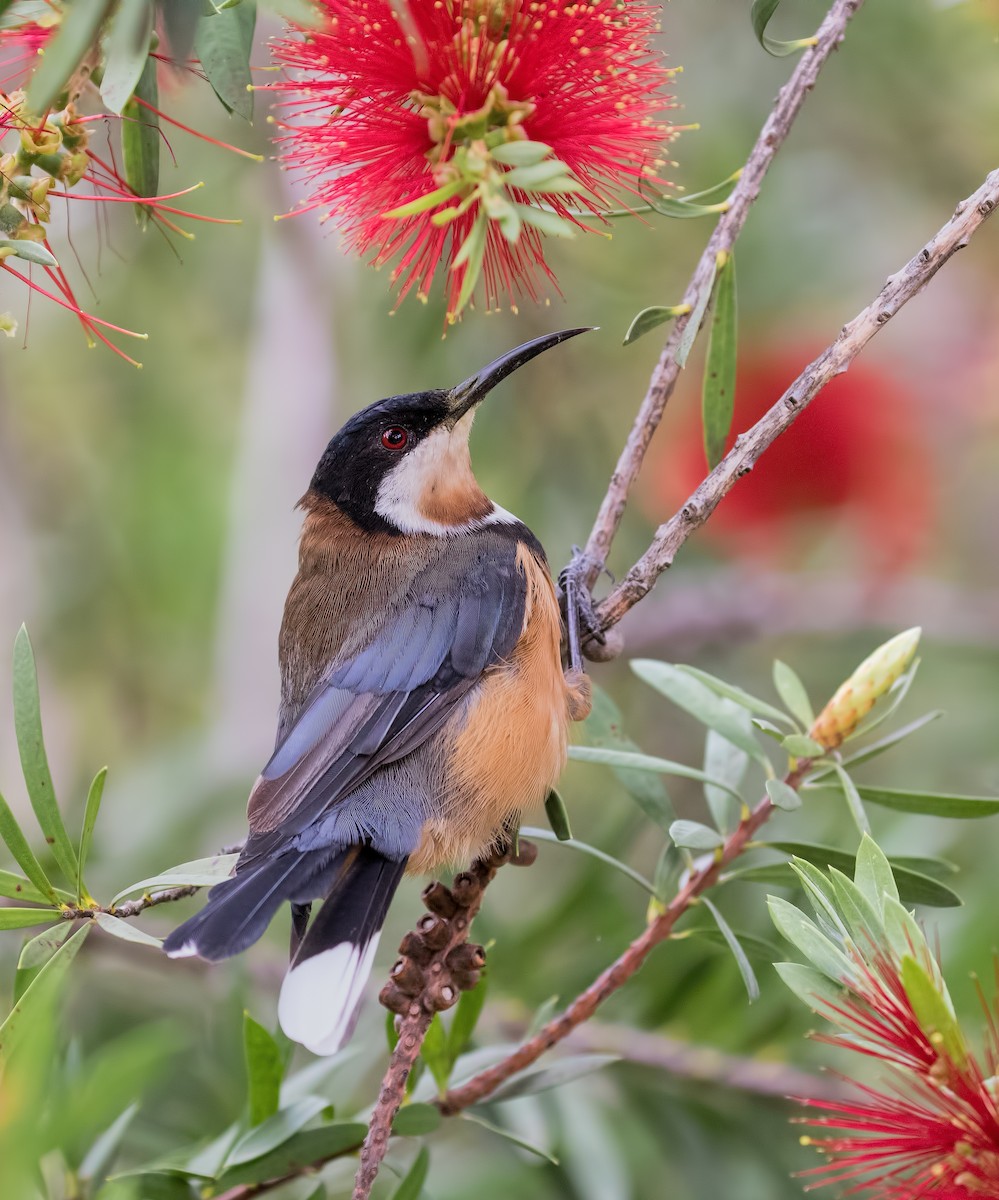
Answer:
(604, 729)
(753, 703)
(792, 693)
(17, 844)
(180, 20)
(466, 1017)
(24, 918)
(915, 886)
(933, 1011)
(126, 931)
(127, 50)
(275, 1131)
(854, 803)
(312, 1145)
(34, 761)
(931, 803)
(543, 835)
(691, 329)
(561, 1071)
(223, 42)
(414, 1120)
(634, 761)
(782, 796)
(414, 1179)
(668, 870)
(77, 33)
(428, 201)
(520, 154)
(698, 700)
(545, 221)
(863, 921)
(201, 872)
(38, 950)
(16, 887)
(40, 991)
(893, 739)
(140, 140)
(470, 254)
(86, 836)
(475, 1119)
(745, 969)
(760, 15)
(264, 1060)
(820, 951)
(812, 987)
(798, 745)
(543, 1014)
(651, 318)
(718, 388)
(101, 1155)
(558, 817)
(30, 252)
(873, 874)
(728, 763)
(550, 177)
(434, 1052)
(692, 835)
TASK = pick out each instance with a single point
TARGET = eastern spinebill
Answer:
(424, 704)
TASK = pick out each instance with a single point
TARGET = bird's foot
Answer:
(584, 632)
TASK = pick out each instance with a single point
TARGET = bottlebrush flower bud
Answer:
(855, 698)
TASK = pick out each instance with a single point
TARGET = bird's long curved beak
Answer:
(467, 394)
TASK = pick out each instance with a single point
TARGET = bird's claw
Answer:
(578, 609)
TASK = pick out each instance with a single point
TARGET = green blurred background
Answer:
(147, 536)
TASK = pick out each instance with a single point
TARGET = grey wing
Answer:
(462, 614)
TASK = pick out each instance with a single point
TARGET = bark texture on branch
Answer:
(772, 136)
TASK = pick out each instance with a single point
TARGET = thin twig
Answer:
(775, 130)
(969, 215)
(481, 1086)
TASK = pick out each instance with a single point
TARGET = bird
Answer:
(425, 698)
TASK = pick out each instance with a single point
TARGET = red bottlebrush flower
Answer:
(932, 1131)
(457, 132)
(856, 462)
(19, 46)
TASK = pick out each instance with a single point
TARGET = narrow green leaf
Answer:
(37, 952)
(329, 1141)
(792, 693)
(718, 387)
(101, 1155)
(743, 963)
(520, 154)
(126, 931)
(414, 1120)
(634, 761)
(931, 803)
(434, 1053)
(549, 177)
(201, 872)
(915, 886)
(692, 328)
(275, 1130)
(140, 140)
(798, 745)
(264, 1070)
(651, 318)
(935, 868)
(760, 15)
(466, 1017)
(30, 252)
(561, 1071)
(127, 50)
(24, 918)
(724, 761)
(77, 33)
(873, 873)
(821, 891)
(16, 887)
(820, 951)
(545, 221)
(854, 803)
(558, 816)
(180, 20)
(412, 1182)
(699, 700)
(668, 870)
(933, 1011)
(17, 844)
(39, 991)
(743, 698)
(509, 1136)
(893, 739)
(34, 761)
(692, 835)
(863, 921)
(426, 202)
(544, 835)
(543, 1014)
(812, 987)
(470, 255)
(223, 43)
(904, 933)
(681, 208)
(782, 796)
(89, 821)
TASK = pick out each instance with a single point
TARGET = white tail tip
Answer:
(320, 996)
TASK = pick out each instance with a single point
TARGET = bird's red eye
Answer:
(395, 438)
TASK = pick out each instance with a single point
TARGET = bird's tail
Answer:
(322, 991)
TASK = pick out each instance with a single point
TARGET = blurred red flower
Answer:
(856, 462)
(19, 46)
(462, 132)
